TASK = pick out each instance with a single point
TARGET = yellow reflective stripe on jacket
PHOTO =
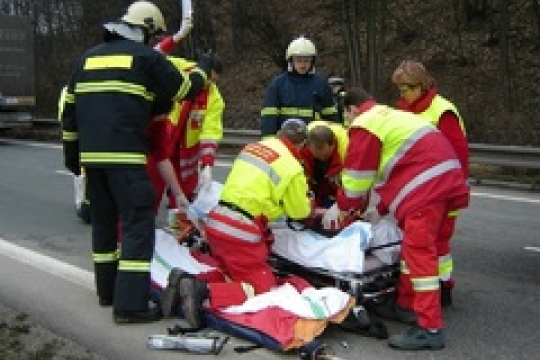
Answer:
(302, 112)
(446, 266)
(113, 158)
(439, 106)
(426, 283)
(103, 258)
(422, 178)
(114, 86)
(134, 265)
(186, 85)
(331, 110)
(270, 111)
(70, 135)
(108, 62)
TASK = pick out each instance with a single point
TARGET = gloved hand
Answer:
(331, 217)
(185, 28)
(205, 179)
(206, 61)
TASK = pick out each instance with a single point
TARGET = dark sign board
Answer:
(17, 58)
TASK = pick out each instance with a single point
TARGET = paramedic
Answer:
(195, 128)
(297, 92)
(419, 95)
(117, 88)
(417, 179)
(323, 157)
(266, 182)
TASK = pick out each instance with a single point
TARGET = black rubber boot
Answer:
(417, 338)
(192, 294)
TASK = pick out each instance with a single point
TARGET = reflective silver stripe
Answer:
(208, 151)
(232, 231)
(189, 161)
(208, 142)
(423, 178)
(187, 173)
(403, 149)
(264, 167)
(426, 283)
(353, 194)
(360, 174)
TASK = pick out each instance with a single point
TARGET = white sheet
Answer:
(342, 253)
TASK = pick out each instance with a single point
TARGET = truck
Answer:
(17, 82)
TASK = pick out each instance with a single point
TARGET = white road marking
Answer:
(63, 172)
(47, 264)
(504, 197)
(532, 248)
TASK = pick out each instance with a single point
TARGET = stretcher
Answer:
(367, 267)
(361, 259)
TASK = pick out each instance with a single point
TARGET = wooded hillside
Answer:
(484, 54)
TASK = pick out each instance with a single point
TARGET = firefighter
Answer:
(266, 182)
(116, 89)
(419, 95)
(323, 158)
(417, 179)
(297, 92)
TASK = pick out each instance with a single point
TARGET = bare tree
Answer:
(350, 16)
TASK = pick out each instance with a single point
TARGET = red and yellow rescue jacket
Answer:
(405, 160)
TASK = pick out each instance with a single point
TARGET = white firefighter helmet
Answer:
(300, 47)
(146, 15)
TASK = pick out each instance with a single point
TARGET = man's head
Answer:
(352, 101)
(321, 142)
(412, 80)
(293, 130)
(300, 55)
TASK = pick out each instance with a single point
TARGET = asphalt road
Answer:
(45, 271)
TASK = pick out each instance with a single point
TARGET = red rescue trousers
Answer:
(418, 287)
(241, 260)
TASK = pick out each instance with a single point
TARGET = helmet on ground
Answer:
(300, 47)
(146, 15)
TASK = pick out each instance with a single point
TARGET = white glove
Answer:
(372, 216)
(185, 27)
(330, 218)
(205, 179)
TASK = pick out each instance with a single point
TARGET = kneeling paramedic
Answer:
(266, 182)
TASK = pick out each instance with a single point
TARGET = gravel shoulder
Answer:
(23, 339)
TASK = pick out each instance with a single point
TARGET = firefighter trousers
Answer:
(125, 194)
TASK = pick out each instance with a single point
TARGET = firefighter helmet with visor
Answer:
(146, 15)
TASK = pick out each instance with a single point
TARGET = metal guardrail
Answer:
(481, 154)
